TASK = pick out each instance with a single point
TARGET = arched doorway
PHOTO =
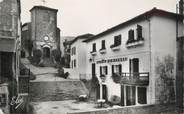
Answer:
(46, 52)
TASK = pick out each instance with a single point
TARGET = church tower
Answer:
(45, 35)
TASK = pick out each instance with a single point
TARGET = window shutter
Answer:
(131, 35)
(119, 39)
(139, 32)
(103, 44)
(106, 71)
(100, 70)
(130, 65)
(120, 68)
(112, 69)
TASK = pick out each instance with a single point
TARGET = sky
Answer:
(77, 17)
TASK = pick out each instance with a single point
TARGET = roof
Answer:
(44, 8)
(84, 36)
(144, 16)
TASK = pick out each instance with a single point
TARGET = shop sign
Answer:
(112, 60)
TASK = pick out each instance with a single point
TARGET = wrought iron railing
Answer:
(135, 78)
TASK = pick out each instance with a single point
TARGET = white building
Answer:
(78, 56)
(142, 51)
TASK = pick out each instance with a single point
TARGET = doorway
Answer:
(134, 67)
(46, 52)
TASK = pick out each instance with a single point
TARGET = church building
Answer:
(45, 36)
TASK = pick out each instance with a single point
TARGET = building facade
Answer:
(10, 42)
(66, 48)
(26, 42)
(136, 60)
(43, 33)
(78, 56)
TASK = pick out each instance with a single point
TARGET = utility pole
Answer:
(180, 62)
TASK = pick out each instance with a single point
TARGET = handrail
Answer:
(135, 74)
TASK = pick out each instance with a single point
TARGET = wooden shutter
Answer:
(112, 69)
(106, 70)
(120, 68)
(130, 65)
(100, 70)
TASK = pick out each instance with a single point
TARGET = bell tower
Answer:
(44, 32)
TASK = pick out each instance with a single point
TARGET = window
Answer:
(139, 32)
(3, 100)
(94, 47)
(73, 52)
(74, 63)
(103, 70)
(142, 96)
(130, 95)
(134, 66)
(130, 36)
(117, 41)
(103, 45)
(117, 69)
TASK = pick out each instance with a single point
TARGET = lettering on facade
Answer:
(112, 60)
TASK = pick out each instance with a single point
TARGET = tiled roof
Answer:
(143, 16)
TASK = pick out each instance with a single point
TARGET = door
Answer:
(93, 70)
(46, 52)
(134, 66)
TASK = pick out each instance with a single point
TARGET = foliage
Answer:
(165, 80)
(57, 55)
(116, 78)
(37, 54)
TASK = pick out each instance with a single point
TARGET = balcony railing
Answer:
(115, 47)
(103, 50)
(135, 78)
(133, 43)
(93, 53)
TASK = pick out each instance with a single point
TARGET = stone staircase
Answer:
(56, 91)
(47, 62)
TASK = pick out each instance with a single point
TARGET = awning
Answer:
(7, 44)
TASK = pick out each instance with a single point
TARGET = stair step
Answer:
(56, 91)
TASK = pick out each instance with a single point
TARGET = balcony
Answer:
(93, 53)
(135, 43)
(141, 79)
(115, 47)
(103, 51)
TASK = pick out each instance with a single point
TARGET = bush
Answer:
(116, 78)
(57, 55)
(37, 54)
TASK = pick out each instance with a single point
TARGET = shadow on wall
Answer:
(165, 92)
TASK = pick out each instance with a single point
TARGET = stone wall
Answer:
(8, 17)
(165, 80)
(146, 109)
